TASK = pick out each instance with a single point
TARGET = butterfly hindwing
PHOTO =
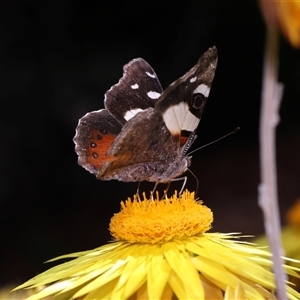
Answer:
(137, 90)
(95, 133)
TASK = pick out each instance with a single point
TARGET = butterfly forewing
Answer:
(183, 102)
(137, 90)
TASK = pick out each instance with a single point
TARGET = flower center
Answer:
(156, 221)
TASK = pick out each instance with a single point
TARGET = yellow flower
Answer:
(285, 15)
(163, 251)
(160, 221)
(5, 293)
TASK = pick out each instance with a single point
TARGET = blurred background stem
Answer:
(269, 118)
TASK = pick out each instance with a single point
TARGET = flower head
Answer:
(157, 221)
(147, 263)
(284, 15)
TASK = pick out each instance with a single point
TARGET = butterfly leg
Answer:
(184, 182)
(138, 188)
(183, 185)
(155, 186)
(137, 194)
(166, 190)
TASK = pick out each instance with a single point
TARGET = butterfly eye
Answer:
(198, 101)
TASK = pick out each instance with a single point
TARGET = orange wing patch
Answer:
(183, 140)
(98, 147)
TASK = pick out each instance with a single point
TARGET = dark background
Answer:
(57, 60)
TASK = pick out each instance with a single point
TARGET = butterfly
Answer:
(144, 132)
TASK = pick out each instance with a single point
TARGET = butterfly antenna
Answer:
(217, 140)
(197, 186)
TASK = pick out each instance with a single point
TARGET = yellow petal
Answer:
(158, 275)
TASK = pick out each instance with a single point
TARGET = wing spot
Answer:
(193, 79)
(150, 75)
(153, 95)
(198, 100)
(95, 155)
(202, 89)
(135, 86)
(131, 113)
(93, 145)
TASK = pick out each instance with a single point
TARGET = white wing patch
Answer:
(191, 122)
(131, 113)
(150, 75)
(135, 86)
(153, 95)
(178, 117)
(193, 79)
(202, 89)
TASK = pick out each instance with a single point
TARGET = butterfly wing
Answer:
(144, 151)
(137, 90)
(95, 133)
(182, 103)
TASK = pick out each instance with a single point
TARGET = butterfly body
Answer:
(144, 132)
